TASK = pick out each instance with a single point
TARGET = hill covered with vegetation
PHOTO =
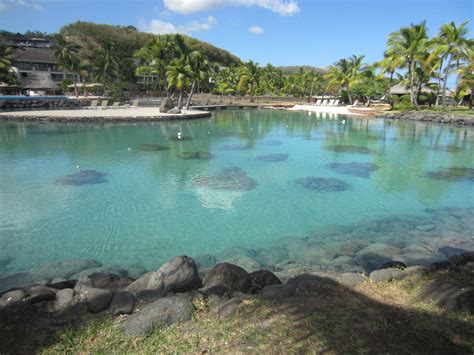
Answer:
(127, 40)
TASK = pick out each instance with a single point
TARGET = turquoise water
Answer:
(245, 196)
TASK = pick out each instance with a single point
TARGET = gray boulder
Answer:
(148, 296)
(385, 275)
(232, 306)
(139, 284)
(13, 297)
(163, 312)
(174, 111)
(64, 299)
(39, 293)
(375, 255)
(122, 303)
(96, 299)
(105, 281)
(180, 274)
(166, 105)
(352, 279)
(263, 278)
(230, 276)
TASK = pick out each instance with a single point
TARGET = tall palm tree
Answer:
(346, 72)
(409, 43)
(179, 74)
(199, 71)
(389, 64)
(6, 61)
(67, 55)
(105, 67)
(465, 85)
(454, 43)
(249, 78)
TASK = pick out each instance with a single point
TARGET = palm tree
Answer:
(179, 74)
(408, 44)
(454, 43)
(346, 72)
(465, 85)
(249, 78)
(389, 64)
(6, 61)
(199, 71)
(68, 60)
(105, 67)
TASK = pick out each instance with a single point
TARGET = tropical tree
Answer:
(453, 44)
(179, 74)
(345, 73)
(66, 53)
(199, 71)
(465, 85)
(6, 61)
(105, 66)
(388, 65)
(409, 43)
(249, 79)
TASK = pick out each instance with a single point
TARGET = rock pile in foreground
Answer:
(170, 294)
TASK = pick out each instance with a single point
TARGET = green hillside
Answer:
(127, 39)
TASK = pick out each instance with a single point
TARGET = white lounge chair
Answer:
(115, 105)
(325, 102)
(356, 102)
(336, 103)
(103, 104)
(318, 102)
(93, 105)
(331, 102)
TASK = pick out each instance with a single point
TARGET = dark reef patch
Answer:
(451, 174)
(196, 155)
(234, 179)
(179, 139)
(362, 170)
(83, 177)
(349, 149)
(273, 143)
(322, 184)
(450, 148)
(273, 158)
(152, 147)
(237, 147)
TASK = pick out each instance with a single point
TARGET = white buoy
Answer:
(208, 132)
(179, 135)
(251, 129)
(129, 149)
(78, 166)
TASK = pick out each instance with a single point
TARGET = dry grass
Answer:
(385, 317)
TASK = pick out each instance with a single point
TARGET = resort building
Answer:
(35, 63)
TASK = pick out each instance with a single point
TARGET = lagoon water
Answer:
(262, 185)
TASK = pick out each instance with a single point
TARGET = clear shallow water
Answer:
(245, 194)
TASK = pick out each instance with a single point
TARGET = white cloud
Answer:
(161, 27)
(32, 4)
(256, 30)
(282, 7)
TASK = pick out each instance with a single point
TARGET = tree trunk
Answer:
(349, 95)
(439, 82)
(412, 85)
(445, 83)
(190, 95)
(389, 95)
(180, 99)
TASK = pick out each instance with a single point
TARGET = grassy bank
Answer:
(376, 318)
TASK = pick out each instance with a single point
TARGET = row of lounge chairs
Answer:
(104, 105)
(327, 102)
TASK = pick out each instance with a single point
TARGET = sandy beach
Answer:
(337, 110)
(121, 114)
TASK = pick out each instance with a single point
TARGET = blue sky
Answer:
(281, 32)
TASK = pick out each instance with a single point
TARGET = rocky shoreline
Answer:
(169, 295)
(435, 117)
